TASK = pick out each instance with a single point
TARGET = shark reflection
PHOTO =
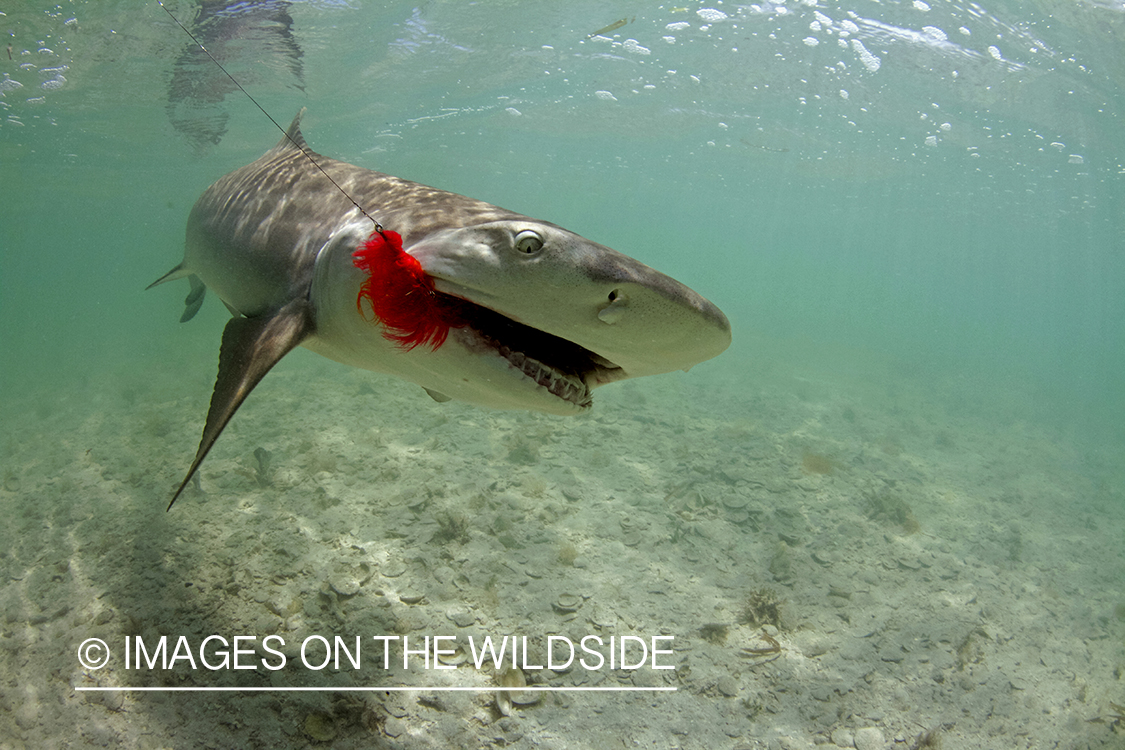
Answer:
(243, 36)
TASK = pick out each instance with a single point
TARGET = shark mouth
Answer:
(402, 297)
(566, 369)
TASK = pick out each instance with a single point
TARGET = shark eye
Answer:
(529, 242)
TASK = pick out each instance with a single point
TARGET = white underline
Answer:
(381, 689)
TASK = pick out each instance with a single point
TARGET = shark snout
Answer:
(613, 306)
(652, 324)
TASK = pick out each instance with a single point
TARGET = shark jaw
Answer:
(400, 297)
(558, 367)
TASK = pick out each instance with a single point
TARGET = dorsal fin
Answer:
(293, 137)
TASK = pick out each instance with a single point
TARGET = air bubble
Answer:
(632, 45)
(870, 61)
(710, 15)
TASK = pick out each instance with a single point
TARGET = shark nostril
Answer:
(612, 312)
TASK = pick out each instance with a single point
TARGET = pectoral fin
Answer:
(251, 347)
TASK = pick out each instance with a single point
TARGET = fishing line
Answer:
(378, 226)
(399, 292)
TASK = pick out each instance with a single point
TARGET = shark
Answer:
(471, 301)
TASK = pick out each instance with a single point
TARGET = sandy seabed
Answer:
(842, 556)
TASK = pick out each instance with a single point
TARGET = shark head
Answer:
(549, 315)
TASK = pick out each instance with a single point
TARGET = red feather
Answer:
(402, 296)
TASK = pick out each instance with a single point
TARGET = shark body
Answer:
(547, 316)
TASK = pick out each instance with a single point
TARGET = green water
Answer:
(913, 214)
(727, 157)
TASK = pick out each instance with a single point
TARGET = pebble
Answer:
(567, 603)
(320, 727)
(111, 699)
(394, 727)
(504, 703)
(823, 557)
(869, 738)
(526, 698)
(604, 616)
(462, 618)
(815, 649)
(632, 538)
(267, 623)
(99, 734)
(454, 659)
(728, 686)
(738, 517)
(27, 714)
(393, 569)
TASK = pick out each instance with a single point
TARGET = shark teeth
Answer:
(562, 368)
(567, 387)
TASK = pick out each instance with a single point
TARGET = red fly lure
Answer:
(402, 296)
